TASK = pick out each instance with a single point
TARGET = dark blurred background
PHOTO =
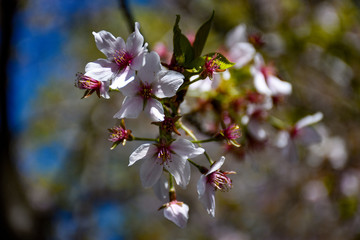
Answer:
(59, 179)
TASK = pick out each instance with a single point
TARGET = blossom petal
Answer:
(236, 35)
(308, 120)
(201, 184)
(150, 171)
(161, 189)
(134, 43)
(155, 109)
(241, 54)
(138, 61)
(208, 199)
(307, 136)
(216, 165)
(186, 149)
(107, 43)
(101, 69)
(104, 89)
(122, 78)
(260, 83)
(278, 87)
(132, 88)
(143, 151)
(131, 108)
(256, 130)
(180, 169)
(168, 82)
(178, 213)
(151, 67)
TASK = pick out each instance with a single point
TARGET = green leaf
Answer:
(220, 60)
(201, 36)
(183, 50)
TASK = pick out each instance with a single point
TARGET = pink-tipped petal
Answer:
(131, 108)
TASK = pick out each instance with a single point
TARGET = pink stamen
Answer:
(219, 180)
(123, 59)
(85, 82)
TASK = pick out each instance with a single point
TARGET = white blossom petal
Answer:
(186, 149)
(104, 89)
(168, 82)
(107, 43)
(178, 213)
(278, 87)
(216, 165)
(236, 35)
(161, 189)
(307, 136)
(201, 184)
(145, 150)
(241, 54)
(123, 78)
(308, 120)
(150, 171)
(131, 108)
(179, 167)
(101, 69)
(131, 89)
(152, 66)
(260, 84)
(208, 199)
(138, 61)
(155, 109)
(134, 43)
(256, 130)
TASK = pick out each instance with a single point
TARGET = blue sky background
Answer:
(40, 36)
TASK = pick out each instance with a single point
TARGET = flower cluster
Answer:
(159, 89)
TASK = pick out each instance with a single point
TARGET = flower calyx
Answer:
(89, 84)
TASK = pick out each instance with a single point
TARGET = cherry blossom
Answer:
(177, 212)
(173, 157)
(265, 80)
(301, 133)
(240, 51)
(211, 181)
(123, 59)
(150, 83)
(92, 85)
